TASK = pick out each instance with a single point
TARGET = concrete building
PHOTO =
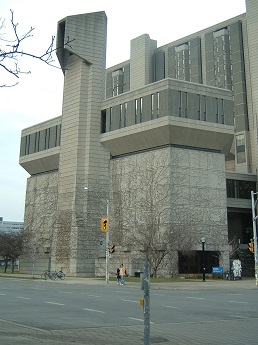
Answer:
(169, 137)
(10, 226)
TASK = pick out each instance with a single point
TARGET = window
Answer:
(152, 106)
(120, 115)
(222, 112)
(204, 109)
(157, 104)
(141, 110)
(199, 108)
(186, 100)
(117, 82)
(135, 110)
(180, 103)
(240, 148)
(110, 119)
(125, 113)
(240, 189)
(217, 110)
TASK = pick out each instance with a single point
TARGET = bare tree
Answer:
(11, 50)
(10, 247)
(39, 220)
(142, 212)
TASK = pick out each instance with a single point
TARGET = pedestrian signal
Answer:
(104, 224)
(251, 246)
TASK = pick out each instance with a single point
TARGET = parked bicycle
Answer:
(54, 275)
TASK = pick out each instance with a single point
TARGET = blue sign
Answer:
(217, 269)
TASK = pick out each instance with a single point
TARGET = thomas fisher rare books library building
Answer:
(164, 145)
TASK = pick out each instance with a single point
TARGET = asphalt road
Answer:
(210, 311)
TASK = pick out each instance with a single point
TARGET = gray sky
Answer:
(38, 96)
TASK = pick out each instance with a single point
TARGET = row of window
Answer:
(240, 189)
(41, 140)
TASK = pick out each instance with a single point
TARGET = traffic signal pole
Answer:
(254, 205)
(107, 246)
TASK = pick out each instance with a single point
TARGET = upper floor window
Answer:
(117, 82)
(240, 148)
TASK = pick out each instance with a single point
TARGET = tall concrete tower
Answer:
(78, 159)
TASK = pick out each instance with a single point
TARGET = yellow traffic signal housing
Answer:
(104, 224)
(111, 248)
(251, 247)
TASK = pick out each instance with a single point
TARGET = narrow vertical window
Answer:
(217, 110)
(110, 119)
(204, 109)
(157, 104)
(135, 110)
(186, 100)
(199, 108)
(222, 112)
(125, 113)
(152, 106)
(141, 110)
(180, 103)
(120, 115)
(27, 145)
(240, 148)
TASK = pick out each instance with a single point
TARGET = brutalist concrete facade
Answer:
(169, 137)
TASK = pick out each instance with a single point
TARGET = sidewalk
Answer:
(247, 283)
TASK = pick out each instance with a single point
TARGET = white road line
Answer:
(65, 291)
(55, 303)
(96, 311)
(156, 294)
(170, 306)
(23, 297)
(234, 294)
(94, 296)
(129, 300)
(38, 289)
(238, 302)
(134, 318)
(2, 294)
(240, 317)
(195, 297)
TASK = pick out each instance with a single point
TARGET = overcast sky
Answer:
(38, 96)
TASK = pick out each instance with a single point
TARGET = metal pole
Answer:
(203, 265)
(147, 303)
(255, 236)
(107, 246)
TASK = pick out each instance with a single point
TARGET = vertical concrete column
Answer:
(83, 161)
(142, 49)
(252, 28)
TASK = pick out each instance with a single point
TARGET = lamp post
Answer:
(107, 234)
(203, 266)
(254, 205)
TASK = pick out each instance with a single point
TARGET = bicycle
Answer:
(60, 275)
(54, 275)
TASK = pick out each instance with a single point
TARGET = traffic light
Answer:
(251, 247)
(104, 224)
(111, 248)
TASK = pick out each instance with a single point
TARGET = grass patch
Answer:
(9, 269)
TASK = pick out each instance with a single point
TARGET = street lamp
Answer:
(254, 205)
(203, 266)
(107, 233)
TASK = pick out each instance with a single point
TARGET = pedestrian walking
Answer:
(118, 274)
(122, 274)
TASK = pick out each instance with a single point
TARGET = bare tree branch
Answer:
(11, 50)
